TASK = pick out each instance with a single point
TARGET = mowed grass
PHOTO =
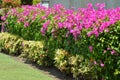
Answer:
(14, 70)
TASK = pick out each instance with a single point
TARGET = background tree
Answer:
(26, 2)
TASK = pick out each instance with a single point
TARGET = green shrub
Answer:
(33, 51)
(26, 2)
(106, 53)
(36, 2)
(61, 61)
(10, 44)
(75, 64)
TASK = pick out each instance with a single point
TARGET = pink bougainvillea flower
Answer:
(104, 51)
(26, 24)
(60, 25)
(42, 31)
(95, 62)
(113, 52)
(3, 18)
(2, 28)
(90, 6)
(100, 6)
(67, 34)
(109, 48)
(91, 48)
(96, 33)
(106, 30)
(45, 25)
(102, 65)
(89, 34)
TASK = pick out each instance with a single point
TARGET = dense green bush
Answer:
(106, 53)
(10, 44)
(75, 64)
(26, 2)
(33, 51)
(61, 60)
(36, 2)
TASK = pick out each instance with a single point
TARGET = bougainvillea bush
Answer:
(93, 33)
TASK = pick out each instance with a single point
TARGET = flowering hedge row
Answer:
(93, 33)
(33, 51)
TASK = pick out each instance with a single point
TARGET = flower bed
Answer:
(92, 33)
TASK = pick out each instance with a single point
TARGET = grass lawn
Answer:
(14, 70)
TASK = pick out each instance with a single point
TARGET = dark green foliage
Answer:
(26, 2)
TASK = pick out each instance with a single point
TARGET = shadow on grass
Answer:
(53, 71)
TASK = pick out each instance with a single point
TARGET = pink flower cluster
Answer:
(100, 64)
(112, 51)
(93, 21)
(44, 28)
